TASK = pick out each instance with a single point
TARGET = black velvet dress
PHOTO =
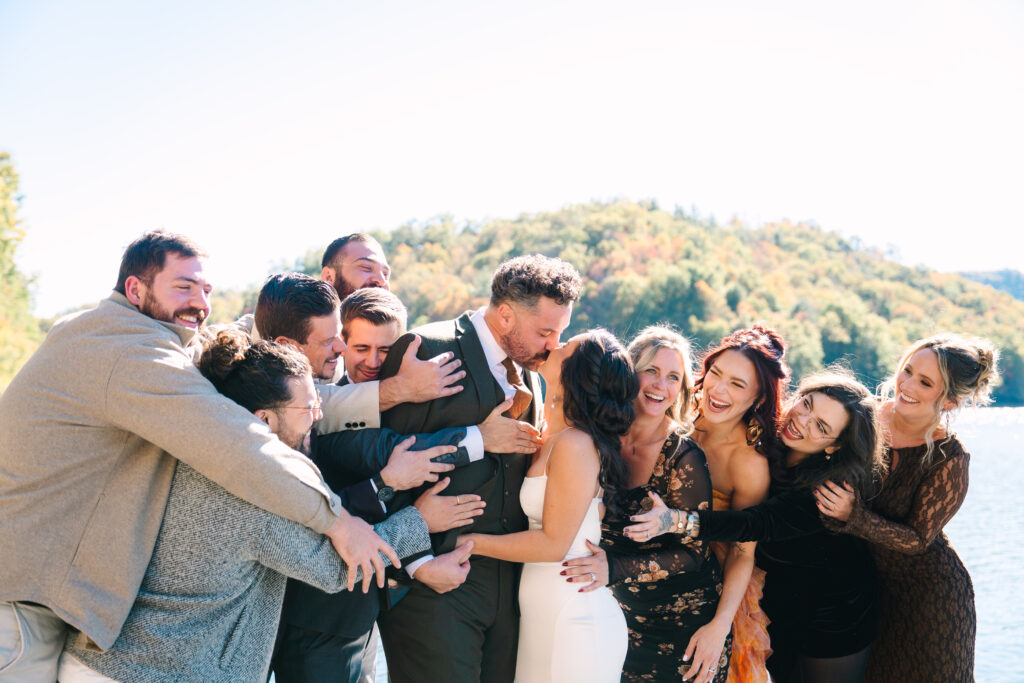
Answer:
(820, 591)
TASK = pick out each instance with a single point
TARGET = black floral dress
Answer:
(669, 586)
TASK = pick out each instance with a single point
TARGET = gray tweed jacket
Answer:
(211, 598)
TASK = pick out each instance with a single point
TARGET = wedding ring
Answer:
(712, 670)
(593, 576)
(458, 500)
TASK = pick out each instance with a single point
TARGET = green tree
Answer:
(19, 331)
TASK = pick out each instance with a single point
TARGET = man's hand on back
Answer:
(408, 469)
(418, 381)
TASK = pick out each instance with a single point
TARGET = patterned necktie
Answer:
(523, 396)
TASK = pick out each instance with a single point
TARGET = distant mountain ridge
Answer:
(1006, 280)
(642, 265)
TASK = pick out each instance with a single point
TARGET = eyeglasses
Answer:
(313, 410)
(813, 424)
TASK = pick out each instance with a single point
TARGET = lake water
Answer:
(988, 532)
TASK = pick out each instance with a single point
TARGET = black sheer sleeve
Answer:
(682, 480)
(788, 514)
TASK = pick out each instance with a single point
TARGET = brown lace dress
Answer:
(928, 621)
(667, 587)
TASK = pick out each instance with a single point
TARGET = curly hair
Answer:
(598, 390)
(765, 348)
(252, 374)
(524, 279)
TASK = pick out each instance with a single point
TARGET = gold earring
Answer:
(754, 431)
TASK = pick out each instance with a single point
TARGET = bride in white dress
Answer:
(567, 634)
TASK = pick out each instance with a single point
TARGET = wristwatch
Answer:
(384, 492)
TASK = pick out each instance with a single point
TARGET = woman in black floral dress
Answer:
(928, 620)
(667, 587)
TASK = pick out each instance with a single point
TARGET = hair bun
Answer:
(988, 370)
(223, 349)
(775, 340)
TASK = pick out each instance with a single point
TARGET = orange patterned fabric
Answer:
(750, 644)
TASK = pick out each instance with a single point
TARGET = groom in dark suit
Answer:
(469, 634)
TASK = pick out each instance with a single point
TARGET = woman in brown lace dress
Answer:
(667, 587)
(928, 621)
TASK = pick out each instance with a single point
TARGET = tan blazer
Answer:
(89, 430)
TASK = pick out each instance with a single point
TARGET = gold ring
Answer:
(458, 500)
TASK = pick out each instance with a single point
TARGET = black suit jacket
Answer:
(347, 459)
(499, 476)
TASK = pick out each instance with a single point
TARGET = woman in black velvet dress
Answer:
(820, 591)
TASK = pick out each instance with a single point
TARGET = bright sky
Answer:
(264, 129)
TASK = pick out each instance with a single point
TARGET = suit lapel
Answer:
(488, 391)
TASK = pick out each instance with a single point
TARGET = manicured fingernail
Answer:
(561, 573)
(565, 564)
(580, 590)
(686, 658)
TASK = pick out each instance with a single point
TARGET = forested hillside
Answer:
(644, 265)
(19, 331)
(1009, 281)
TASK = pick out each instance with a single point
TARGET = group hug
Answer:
(183, 502)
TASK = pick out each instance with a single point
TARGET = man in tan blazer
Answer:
(89, 432)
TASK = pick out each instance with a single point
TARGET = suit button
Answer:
(362, 424)
(348, 425)
(504, 521)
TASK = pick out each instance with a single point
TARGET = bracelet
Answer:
(680, 520)
(692, 524)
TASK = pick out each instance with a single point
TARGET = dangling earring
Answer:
(754, 431)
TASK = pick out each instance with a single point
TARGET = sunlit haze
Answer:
(265, 129)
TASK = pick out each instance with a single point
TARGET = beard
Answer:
(298, 442)
(151, 307)
(513, 345)
(342, 286)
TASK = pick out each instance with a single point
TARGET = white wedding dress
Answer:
(565, 635)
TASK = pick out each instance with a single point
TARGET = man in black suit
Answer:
(469, 634)
(329, 637)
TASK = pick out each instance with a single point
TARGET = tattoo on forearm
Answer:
(665, 521)
(739, 547)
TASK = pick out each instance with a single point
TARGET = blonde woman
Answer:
(928, 621)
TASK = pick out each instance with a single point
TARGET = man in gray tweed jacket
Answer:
(211, 597)
(90, 431)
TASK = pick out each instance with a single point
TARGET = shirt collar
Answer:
(492, 350)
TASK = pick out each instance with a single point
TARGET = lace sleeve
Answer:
(683, 482)
(938, 497)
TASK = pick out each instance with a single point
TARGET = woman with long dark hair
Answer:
(820, 590)
(566, 634)
(739, 404)
(928, 620)
(667, 588)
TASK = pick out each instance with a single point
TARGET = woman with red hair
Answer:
(738, 406)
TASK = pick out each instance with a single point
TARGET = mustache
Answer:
(199, 313)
